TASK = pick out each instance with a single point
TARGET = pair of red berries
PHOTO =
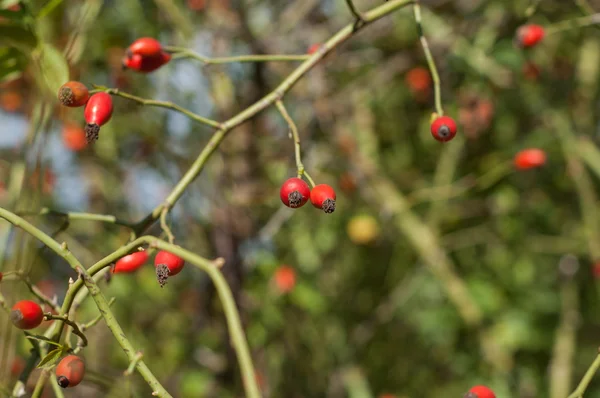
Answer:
(145, 55)
(98, 107)
(443, 128)
(166, 264)
(295, 192)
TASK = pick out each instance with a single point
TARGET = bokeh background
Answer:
(442, 267)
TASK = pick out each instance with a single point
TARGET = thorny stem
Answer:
(133, 364)
(97, 319)
(159, 104)
(180, 52)
(196, 168)
(430, 62)
(296, 137)
(49, 317)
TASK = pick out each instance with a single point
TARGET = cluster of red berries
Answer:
(98, 107)
(145, 55)
(166, 264)
(295, 192)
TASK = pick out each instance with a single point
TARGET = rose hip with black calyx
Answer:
(70, 371)
(26, 314)
(73, 94)
(98, 112)
(294, 193)
(143, 64)
(480, 392)
(167, 264)
(443, 128)
(322, 197)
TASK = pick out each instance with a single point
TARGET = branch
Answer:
(106, 218)
(37, 292)
(180, 53)
(430, 62)
(359, 18)
(95, 292)
(158, 104)
(262, 104)
(84, 341)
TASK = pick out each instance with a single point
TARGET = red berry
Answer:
(73, 94)
(167, 264)
(530, 35)
(26, 314)
(314, 48)
(146, 47)
(294, 192)
(418, 79)
(529, 159)
(0, 276)
(98, 112)
(285, 278)
(131, 262)
(443, 128)
(146, 64)
(596, 270)
(74, 137)
(322, 197)
(70, 371)
(480, 392)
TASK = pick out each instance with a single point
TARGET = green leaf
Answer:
(12, 63)
(43, 338)
(52, 67)
(18, 37)
(51, 358)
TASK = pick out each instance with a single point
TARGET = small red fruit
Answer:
(530, 35)
(145, 47)
(294, 192)
(322, 197)
(98, 112)
(74, 137)
(70, 371)
(418, 79)
(0, 276)
(17, 366)
(146, 64)
(167, 264)
(480, 392)
(529, 159)
(285, 278)
(130, 262)
(314, 48)
(443, 128)
(596, 270)
(26, 315)
(73, 94)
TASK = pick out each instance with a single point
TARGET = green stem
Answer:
(354, 11)
(286, 116)
(159, 104)
(196, 168)
(587, 379)
(74, 326)
(430, 62)
(574, 23)
(180, 52)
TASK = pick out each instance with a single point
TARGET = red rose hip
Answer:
(443, 128)
(530, 35)
(73, 94)
(26, 315)
(145, 47)
(98, 112)
(167, 264)
(130, 262)
(323, 197)
(143, 64)
(530, 158)
(70, 371)
(294, 192)
(285, 278)
(480, 392)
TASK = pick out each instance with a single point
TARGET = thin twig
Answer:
(133, 364)
(106, 218)
(165, 226)
(430, 62)
(355, 12)
(295, 136)
(180, 52)
(574, 23)
(63, 318)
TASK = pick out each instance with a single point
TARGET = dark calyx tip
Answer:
(91, 132)
(62, 381)
(162, 274)
(66, 96)
(444, 131)
(16, 315)
(328, 206)
(295, 199)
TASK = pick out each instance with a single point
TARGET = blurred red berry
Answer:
(285, 278)
(530, 35)
(145, 47)
(294, 192)
(131, 262)
(418, 79)
(143, 64)
(26, 314)
(74, 137)
(480, 392)
(443, 128)
(529, 158)
(596, 270)
(531, 71)
(323, 197)
(314, 48)
(17, 366)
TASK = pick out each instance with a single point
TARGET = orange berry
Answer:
(285, 278)
(73, 94)
(530, 158)
(74, 137)
(26, 314)
(70, 371)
